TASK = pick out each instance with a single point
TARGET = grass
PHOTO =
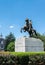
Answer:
(22, 53)
(26, 53)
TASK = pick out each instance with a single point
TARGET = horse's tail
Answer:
(35, 32)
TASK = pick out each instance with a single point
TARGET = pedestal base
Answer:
(28, 45)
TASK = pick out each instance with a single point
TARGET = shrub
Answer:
(36, 59)
(24, 60)
(7, 60)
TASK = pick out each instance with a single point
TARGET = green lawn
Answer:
(22, 53)
(26, 53)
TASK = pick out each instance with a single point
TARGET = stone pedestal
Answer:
(28, 45)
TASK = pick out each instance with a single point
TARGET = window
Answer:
(1, 42)
(2, 46)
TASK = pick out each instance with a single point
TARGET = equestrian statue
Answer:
(29, 28)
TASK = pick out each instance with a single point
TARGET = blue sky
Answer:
(14, 12)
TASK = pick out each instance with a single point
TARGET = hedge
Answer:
(24, 59)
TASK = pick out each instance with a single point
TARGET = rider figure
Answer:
(29, 28)
(30, 25)
(27, 23)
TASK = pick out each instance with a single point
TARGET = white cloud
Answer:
(11, 26)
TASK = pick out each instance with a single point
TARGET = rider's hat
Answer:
(26, 20)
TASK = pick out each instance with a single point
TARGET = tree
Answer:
(11, 46)
(9, 38)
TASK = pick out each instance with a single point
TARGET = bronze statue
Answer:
(29, 28)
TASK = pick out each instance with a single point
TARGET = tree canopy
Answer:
(8, 39)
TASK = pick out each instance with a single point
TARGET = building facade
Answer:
(2, 43)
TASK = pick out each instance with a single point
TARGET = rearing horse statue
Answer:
(28, 27)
